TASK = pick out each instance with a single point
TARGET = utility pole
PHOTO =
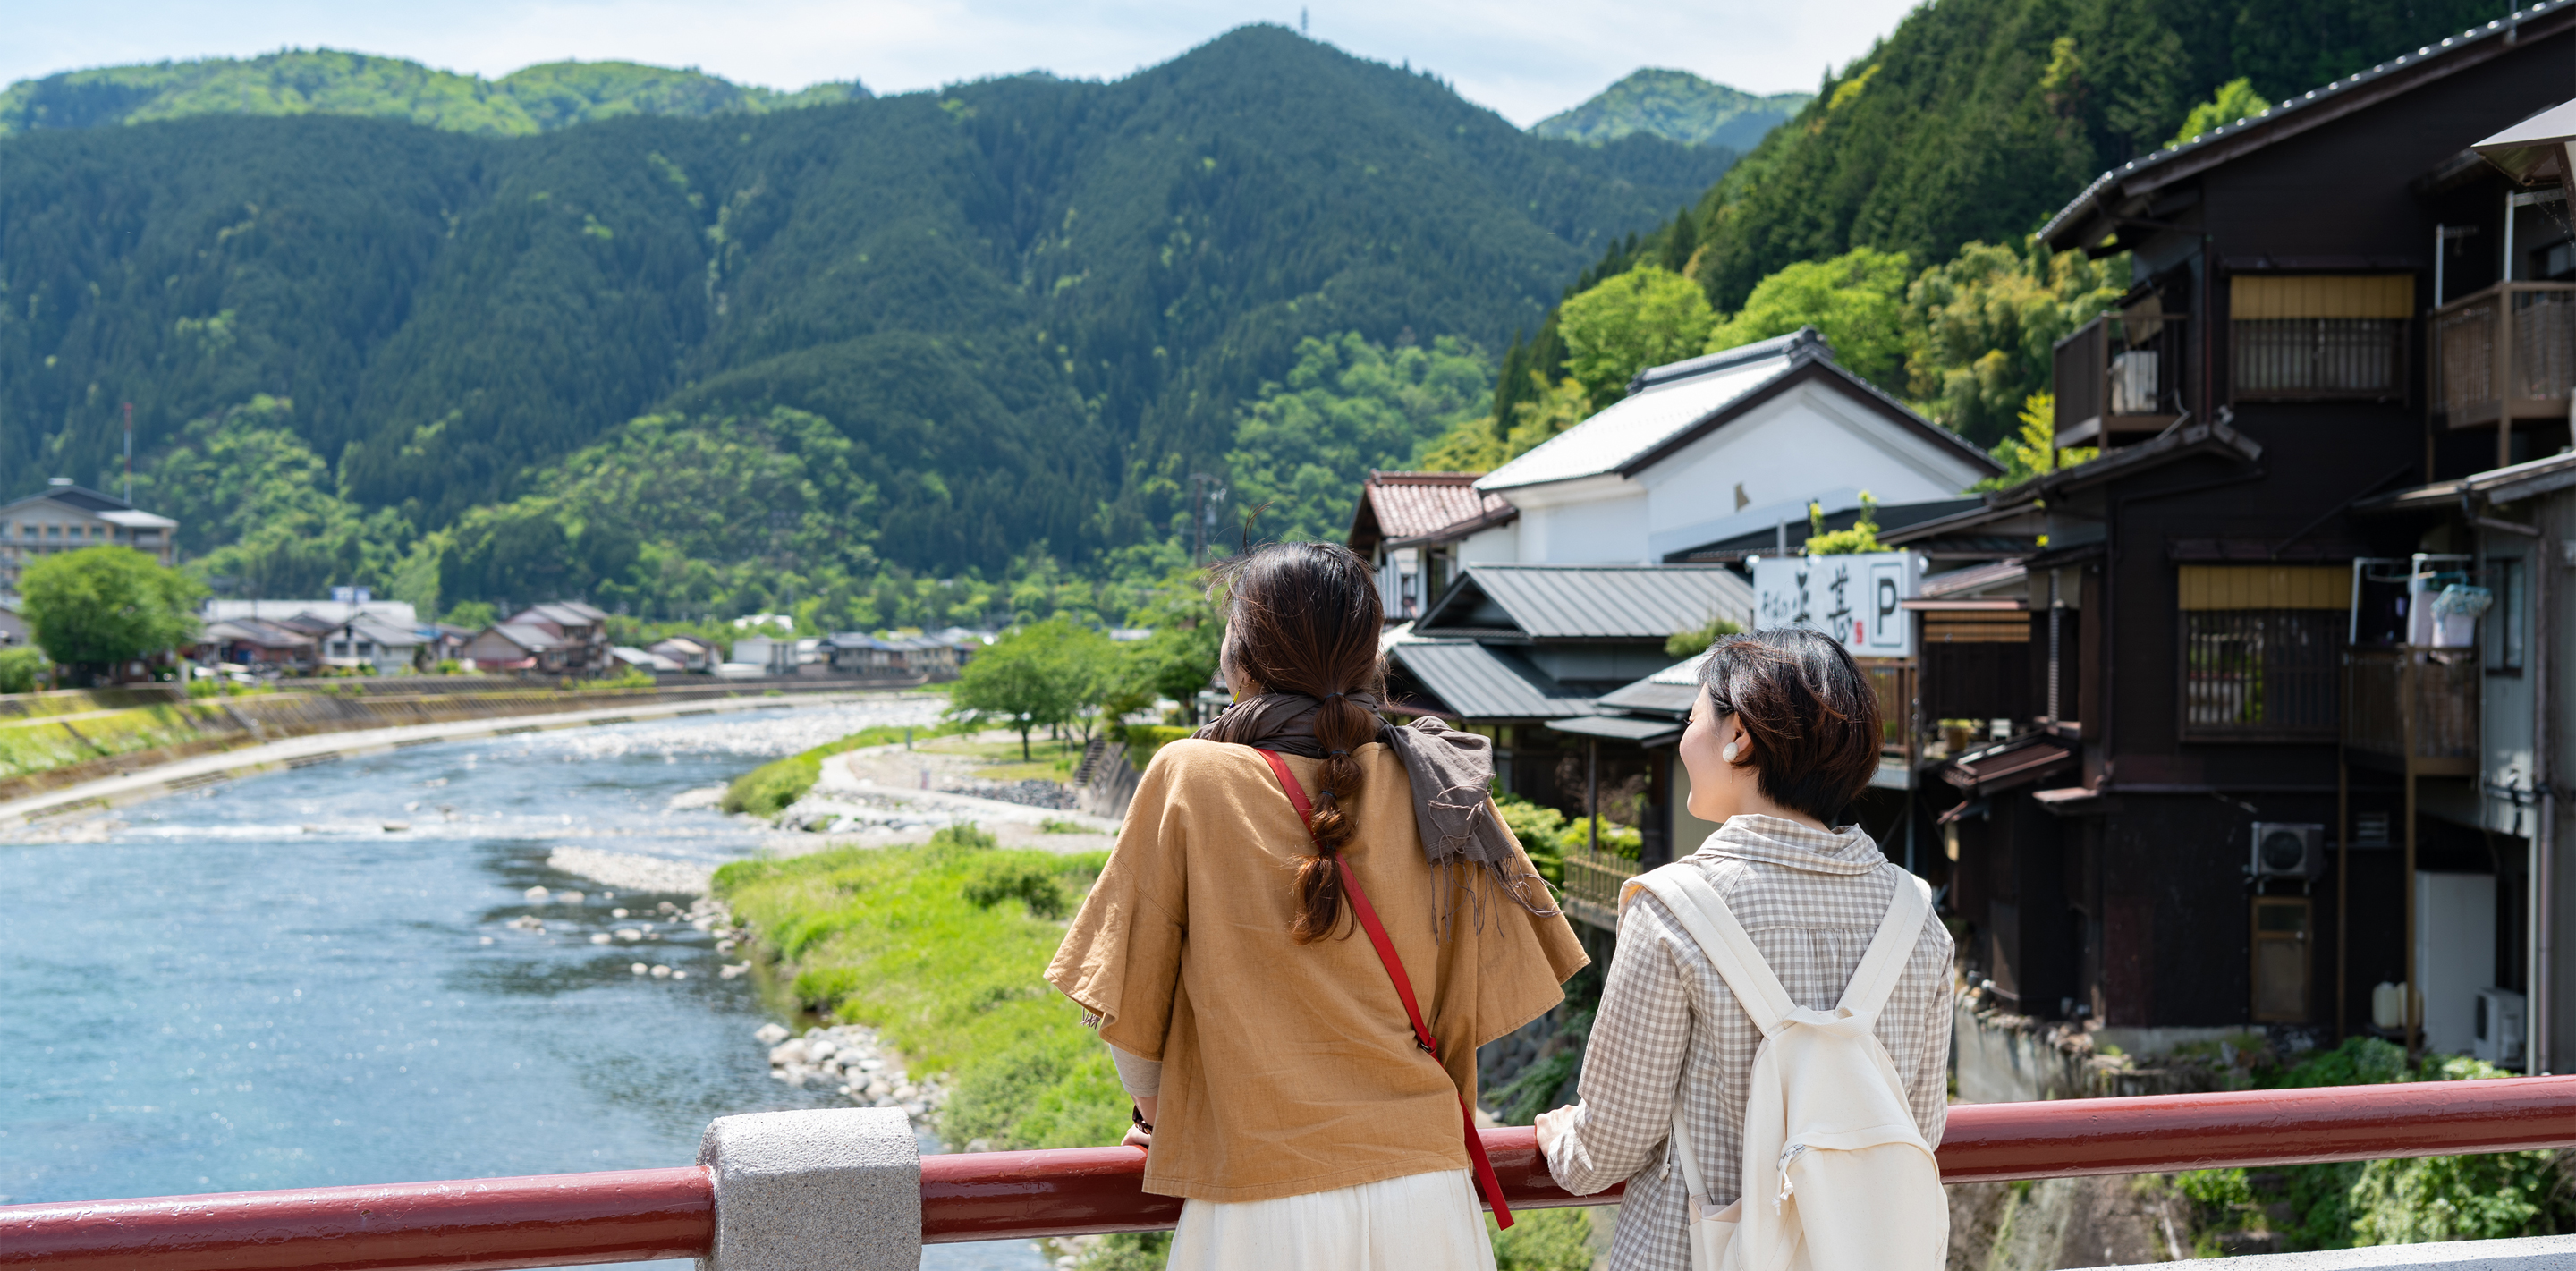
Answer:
(129, 454)
(1205, 494)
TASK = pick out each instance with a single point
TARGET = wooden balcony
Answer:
(2411, 710)
(2502, 355)
(2119, 378)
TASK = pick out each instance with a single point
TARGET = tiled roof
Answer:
(1573, 602)
(1425, 505)
(2297, 114)
(1477, 682)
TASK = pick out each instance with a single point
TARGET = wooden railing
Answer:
(2505, 353)
(2416, 708)
(2119, 378)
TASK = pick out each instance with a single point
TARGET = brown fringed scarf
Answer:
(1452, 773)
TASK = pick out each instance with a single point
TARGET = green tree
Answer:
(1981, 327)
(1347, 406)
(2033, 451)
(1177, 660)
(95, 609)
(1855, 300)
(1645, 317)
(1046, 674)
(2236, 99)
(1861, 537)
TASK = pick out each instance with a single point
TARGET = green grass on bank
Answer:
(897, 939)
(44, 743)
(769, 788)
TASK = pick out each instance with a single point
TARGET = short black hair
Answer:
(1811, 715)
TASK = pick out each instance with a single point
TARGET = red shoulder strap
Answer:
(1368, 920)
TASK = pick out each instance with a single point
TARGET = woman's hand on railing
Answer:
(1551, 1126)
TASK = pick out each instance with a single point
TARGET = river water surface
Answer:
(313, 978)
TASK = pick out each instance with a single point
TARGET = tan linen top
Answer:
(1288, 1068)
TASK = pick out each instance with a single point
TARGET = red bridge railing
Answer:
(623, 1215)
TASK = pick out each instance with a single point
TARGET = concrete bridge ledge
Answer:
(834, 1187)
(2533, 1253)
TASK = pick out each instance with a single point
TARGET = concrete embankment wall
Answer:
(53, 741)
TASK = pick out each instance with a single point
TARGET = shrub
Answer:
(21, 669)
(964, 835)
(1033, 883)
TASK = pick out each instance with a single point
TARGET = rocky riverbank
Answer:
(855, 1062)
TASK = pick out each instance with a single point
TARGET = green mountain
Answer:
(1976, 119)
(1677, 106)
(327, 82)
(1028, 308)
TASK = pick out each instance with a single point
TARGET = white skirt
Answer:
(1422, 1222)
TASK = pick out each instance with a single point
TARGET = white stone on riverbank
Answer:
(855, 1062)
(631, 872)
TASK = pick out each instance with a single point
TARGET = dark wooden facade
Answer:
(2284, 276)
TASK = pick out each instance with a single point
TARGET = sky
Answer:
(1523, 58)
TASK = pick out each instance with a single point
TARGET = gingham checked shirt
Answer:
(1668, 1026)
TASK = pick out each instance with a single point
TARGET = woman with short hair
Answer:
(1783, 738)
(1280, 1085)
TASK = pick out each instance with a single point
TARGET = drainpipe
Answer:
(2541, 874)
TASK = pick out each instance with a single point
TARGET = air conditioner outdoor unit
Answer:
(2288, 849)
(2499, 1029)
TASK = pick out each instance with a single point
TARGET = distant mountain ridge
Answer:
(1677, 106)
(532, 100)
(935, 331)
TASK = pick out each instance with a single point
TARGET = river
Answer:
(313, 978)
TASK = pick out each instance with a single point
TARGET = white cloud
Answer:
(1525, 58)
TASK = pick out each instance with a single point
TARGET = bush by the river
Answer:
(2409, 1201)
(768, 789)
(920, 944)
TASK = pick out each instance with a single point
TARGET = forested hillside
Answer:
(1026, 310)
(329, 82)
(1895, 212)
(1976, 119)
(1677, 106)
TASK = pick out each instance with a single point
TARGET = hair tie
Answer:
(1330, 753)
(1334, 697)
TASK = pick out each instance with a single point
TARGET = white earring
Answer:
(1728, 754)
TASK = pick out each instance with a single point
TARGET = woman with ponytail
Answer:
(1280, 875)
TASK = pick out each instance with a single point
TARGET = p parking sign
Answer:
(1858, 600)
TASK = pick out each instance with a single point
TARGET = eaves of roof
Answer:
(2496, 485)
(1504, 515)
(1808, 366)
(2073, 226)
(2183, 440)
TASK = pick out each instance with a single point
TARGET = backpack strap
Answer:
(1694, 902)
(1366, 913)
(1891, 948)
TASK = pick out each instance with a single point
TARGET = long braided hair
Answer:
(1304, 618)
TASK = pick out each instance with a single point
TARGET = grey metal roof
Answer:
(1673, 690)
(2295, 115)
(1481, 682)
(1891, 517)
(2545, 475)
(1597, 602)
(1644, 732)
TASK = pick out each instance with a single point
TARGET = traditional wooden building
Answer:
(2214, 808)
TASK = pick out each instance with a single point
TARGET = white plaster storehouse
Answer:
(1719, 446)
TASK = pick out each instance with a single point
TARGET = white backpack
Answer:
(1839, 1174)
